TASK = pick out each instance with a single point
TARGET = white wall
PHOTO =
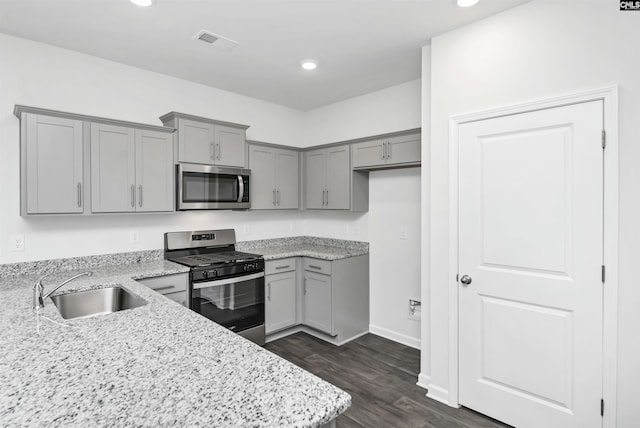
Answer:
(393, 109)
(49, 77)
(45, 76)
(540, 49)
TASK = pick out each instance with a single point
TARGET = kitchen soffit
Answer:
(362, 45)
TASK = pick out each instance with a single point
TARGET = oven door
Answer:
(235, 303)
(202, 187)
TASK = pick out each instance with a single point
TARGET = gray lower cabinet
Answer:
(51, 165)
(281, 294)
(274, 177)
(393, 151)
(172, 286)
(336, 296)
(131, 170)
(328, 178)
(207, 141)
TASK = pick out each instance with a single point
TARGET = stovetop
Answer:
(215, 259)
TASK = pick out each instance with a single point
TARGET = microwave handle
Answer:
(241, 186)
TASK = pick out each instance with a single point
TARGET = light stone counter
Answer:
(157, 365)
(305, 246)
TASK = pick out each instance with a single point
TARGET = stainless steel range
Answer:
(225, 285)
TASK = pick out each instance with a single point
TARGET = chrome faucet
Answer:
(38, 289)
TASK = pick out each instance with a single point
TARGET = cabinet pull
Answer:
(212, 152)
(282, 267)
(166, 287)
(315, 267)
(133, 196)
(277, 197)
(388, 150)
(140, 195)
(384, 149)
(219, 151)
(79, 195)
(327, 198)
(269, 291)
(305, 286)
(323, 198)
(274, 198)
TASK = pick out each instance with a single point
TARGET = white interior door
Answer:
(531, 242)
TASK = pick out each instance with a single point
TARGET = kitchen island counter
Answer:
(156, 365)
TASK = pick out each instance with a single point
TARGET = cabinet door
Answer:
(230, 146)
(316, 178)
(112, 169)
(195, 142)
(280, 306)
(404, 149)
(263, 166)
(53, 165)
(338, 178)
(154, 171)
(318, 304)
(287, 179)
(368, 153)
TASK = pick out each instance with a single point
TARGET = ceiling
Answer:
(360, 45)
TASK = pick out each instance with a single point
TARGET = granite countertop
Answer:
(156, 365)
(305, 246)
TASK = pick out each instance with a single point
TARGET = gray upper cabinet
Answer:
(131, 170)
(329, 180)
(208, 141)
(390, 152)
(274, 177)
(51, 165)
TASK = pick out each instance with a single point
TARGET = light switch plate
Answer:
(403, 233)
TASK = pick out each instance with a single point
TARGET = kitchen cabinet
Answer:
(173, 286)
(208, 141)
(131, 169)
(274, 177)
(281, 294)
(387, 152)
(329, 182)
(51, 165)
(336, 296)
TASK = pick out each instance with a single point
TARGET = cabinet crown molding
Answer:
(176, 115)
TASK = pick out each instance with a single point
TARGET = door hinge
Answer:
(604, 139)
(457, 277)
(601, 407)
(603, 273)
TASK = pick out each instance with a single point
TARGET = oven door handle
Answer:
(219, 282)
(241, 186)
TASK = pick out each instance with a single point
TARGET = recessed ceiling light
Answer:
(466, 3)
(143, 3)
(309, 64)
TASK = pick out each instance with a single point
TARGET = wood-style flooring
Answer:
(381, 377)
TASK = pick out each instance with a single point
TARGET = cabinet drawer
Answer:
(180, 297)
(280, 265)
(167, 284)
(317, 265)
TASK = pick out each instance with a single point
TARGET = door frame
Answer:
(609, 96)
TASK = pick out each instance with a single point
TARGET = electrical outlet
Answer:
(134, 237)
(17, 243)
(246, 229)
(403, 233)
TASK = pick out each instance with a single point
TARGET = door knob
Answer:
(466, 279)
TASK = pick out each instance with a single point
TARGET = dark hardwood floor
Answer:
(381, 377)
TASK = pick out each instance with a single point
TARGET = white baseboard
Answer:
(439, 394)
(423, 380)
(396, 337)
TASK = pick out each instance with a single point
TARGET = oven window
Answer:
(207, 187)
(237, 306)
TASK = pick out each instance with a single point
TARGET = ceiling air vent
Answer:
(216, 40)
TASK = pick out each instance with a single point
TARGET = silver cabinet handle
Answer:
(166, 287)
(212, 152)
(274, 198)
(327, 197)
(133, 196)
(315, 267)
(79, 195)
(219, 151)
(388, 150)
(269, 291)
(323, 198)
(382, 150)
(277, 197)
(140, 195)
(282, 267)
(305, 286)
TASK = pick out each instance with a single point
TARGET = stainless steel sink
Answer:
(96, 302)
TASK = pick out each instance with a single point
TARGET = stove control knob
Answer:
(213, 273)
(205, 274)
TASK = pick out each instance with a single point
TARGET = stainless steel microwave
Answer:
(208, 187)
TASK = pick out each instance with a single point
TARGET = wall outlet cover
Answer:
(134, 237)
(16, 243)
